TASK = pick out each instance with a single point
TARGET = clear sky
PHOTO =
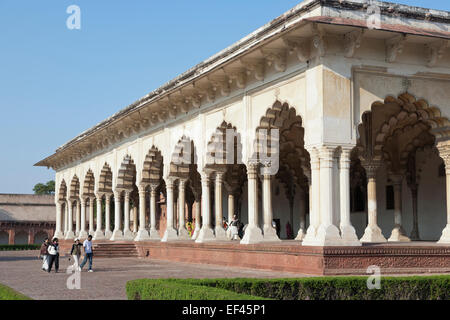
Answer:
(56, 83)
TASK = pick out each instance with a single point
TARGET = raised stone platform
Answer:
(410, 258)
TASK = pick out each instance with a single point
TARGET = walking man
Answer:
(53, 255)
(87, 245)
(43, 254)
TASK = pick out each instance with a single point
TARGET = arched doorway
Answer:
(394, 139)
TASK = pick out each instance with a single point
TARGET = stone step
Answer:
(115, 250)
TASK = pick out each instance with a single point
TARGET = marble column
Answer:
(206, 232)
(198, 224)
(348, 233)
(83, 234)
(154, 234)
(415, 235)
(183, 234)
(77, 218)
(127, 234)
(142, 233)
(66, 217)
(373, 232)
(328, 234)
(445, 237)
(231, 212)
(444, 152)
(70, 234)
(398, 233)
(270, 233)
(58, 230)
(302, 230)
(117, 233)
(134, 212)
(253, 233)
(91, 216)
(108, 232)
(219, 231)
(171, 232)
(314, 205)
(98, 234)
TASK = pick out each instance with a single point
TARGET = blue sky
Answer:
(56, 82)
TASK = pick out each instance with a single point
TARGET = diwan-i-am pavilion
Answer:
(325, 131)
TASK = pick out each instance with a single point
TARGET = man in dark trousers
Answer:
(53, 255)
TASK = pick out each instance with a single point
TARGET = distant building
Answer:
(26, 218)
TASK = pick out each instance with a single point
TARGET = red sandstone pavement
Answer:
(21, 271)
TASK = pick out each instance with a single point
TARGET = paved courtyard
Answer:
(21, 271)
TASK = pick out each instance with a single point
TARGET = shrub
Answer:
(315, 288)
(6, 293)
(13, 247)
(159, 289)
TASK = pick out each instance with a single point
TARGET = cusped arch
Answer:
(74, 188)
(89, 184)
(385, 118)
(152, 171)
(184, 157)
(287, 142)
(105, 179)
(126, 177)
(62, 191)
(224, 147)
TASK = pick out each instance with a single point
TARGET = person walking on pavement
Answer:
(53, 255)
(87, 245)
(75, 252)
(43, 254)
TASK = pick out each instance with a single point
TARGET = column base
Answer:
(270, 234)
(58, 234)
(220, 233)
(169, 234)
(372, 234)
(206, 234)
(310, 237)
(98, 235)
(154, 234)
(326, 236)
(445, 238)
(69, 235)
(252, 235)
(398, 235)
(91, 232)
(349, 237)
(196, 233)
(142, 235)
(117, 235)
(300, 235)
(128, 235)
(83, 234)
(183, 234)
(108, 234)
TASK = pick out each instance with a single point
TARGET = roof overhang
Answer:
(311, 12)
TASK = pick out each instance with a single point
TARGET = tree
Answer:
(48, 188)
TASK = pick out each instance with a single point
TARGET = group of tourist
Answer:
(49, 254)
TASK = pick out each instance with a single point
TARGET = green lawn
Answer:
(6, 293)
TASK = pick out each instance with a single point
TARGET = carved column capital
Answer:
(252, 170)
(371, 168)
